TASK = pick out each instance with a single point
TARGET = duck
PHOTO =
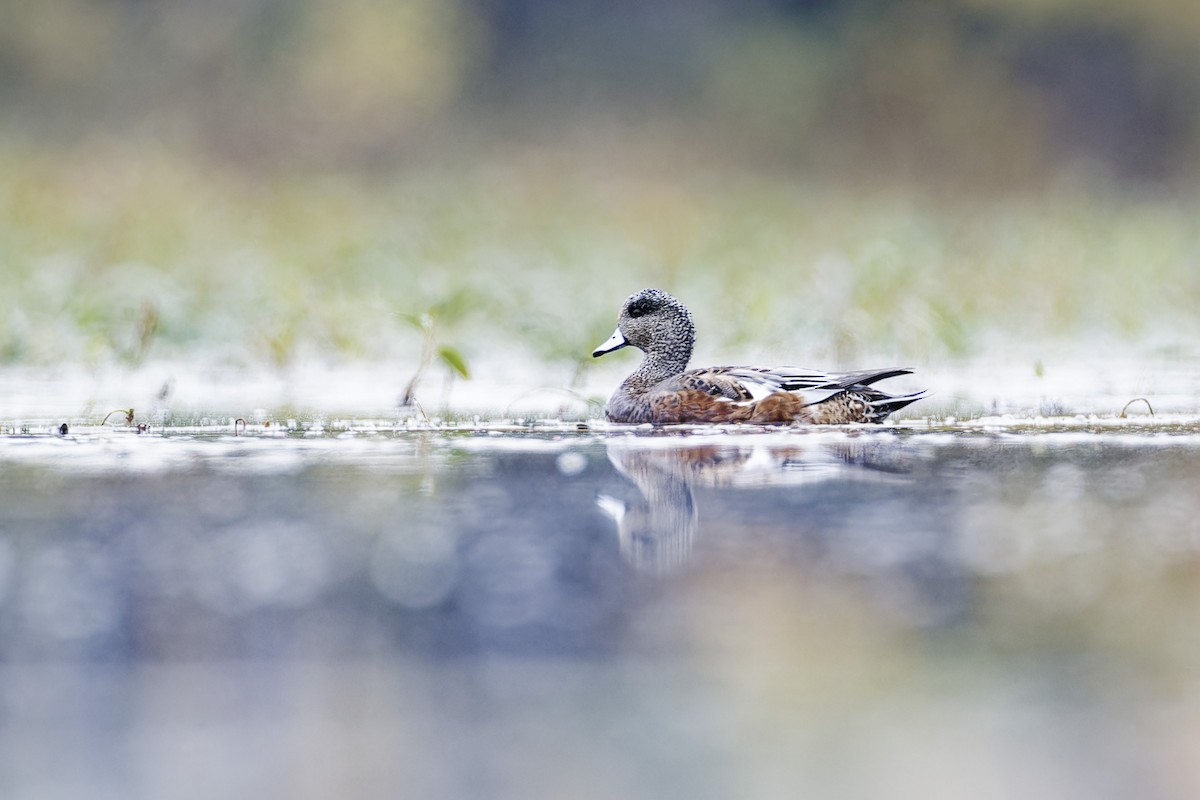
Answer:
(663, 391)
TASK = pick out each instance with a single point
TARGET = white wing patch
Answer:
(758, 389)
(756, 384)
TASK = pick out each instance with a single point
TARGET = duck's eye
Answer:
(642, 307)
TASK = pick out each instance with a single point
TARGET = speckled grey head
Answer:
(655, 323)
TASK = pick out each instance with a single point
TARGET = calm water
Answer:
(993, 612)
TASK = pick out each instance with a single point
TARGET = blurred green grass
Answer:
(116, 255)
(823, 183)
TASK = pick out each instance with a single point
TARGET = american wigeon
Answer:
(660, 391)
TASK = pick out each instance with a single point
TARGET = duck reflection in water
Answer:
(656, 525)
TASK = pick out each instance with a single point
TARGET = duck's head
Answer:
(655, 323)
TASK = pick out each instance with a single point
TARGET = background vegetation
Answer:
(264, 182)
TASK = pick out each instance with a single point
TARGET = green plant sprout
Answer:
(431, 350)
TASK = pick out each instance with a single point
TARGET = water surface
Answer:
(997, 609)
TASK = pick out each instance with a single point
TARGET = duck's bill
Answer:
(615, 342)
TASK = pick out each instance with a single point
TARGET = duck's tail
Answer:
(880, 403)
(883, 405)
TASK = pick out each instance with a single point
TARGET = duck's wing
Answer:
(718, 382)
(749, 384)
(792, 378)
